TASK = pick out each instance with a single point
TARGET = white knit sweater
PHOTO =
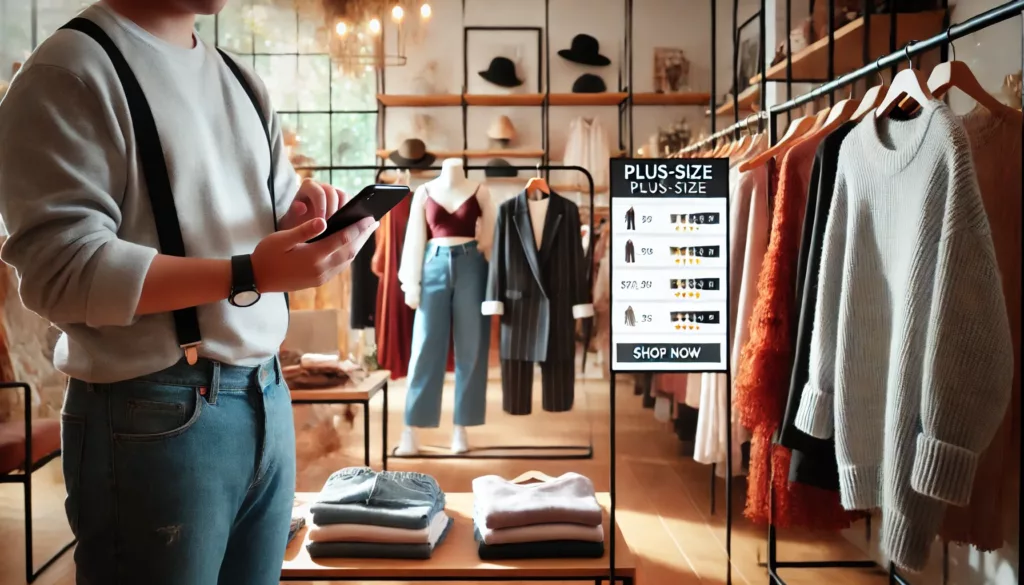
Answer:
(911, 360)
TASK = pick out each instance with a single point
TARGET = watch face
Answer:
(245, 298)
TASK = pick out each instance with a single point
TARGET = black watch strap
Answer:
(243, 277)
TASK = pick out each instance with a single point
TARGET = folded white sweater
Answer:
(540, 533)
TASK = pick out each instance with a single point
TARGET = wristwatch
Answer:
(243, 282)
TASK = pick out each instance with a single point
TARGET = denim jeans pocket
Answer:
(72, 443)
(147, 411)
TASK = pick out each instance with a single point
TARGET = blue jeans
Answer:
(453, 286)
(182, 477)
(396, 499)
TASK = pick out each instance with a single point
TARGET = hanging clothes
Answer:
(587, 146)
(813, 460)
(996, 149)
(748, 218)
(765, 364)
(911, 354)
(394, 317)
(363, 294)
(602, 303)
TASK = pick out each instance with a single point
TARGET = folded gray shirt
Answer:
(569, 498)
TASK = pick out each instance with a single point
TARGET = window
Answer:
(333, 116)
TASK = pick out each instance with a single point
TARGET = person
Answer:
(179, 466)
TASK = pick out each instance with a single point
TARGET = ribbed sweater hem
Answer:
(860, 486)
(815, 416)
(907, 540)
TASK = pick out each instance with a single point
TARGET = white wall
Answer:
(681, 24)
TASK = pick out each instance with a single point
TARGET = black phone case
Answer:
(373, 201)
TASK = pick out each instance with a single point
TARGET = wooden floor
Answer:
(663, 496)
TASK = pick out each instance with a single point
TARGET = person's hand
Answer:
(284, 262)
(313, 200)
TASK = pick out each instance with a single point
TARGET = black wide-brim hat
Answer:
(502, 71)
(412, 153)
(585, 50)
(499, 167)
(589, 83)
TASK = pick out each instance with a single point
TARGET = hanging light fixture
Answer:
(382, 45)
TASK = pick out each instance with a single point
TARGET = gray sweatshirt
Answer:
(74, 200)
(911, 360)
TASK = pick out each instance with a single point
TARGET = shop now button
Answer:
(668, 352)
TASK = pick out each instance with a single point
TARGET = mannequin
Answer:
(443, 274)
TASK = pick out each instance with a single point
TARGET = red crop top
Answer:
(459, 224)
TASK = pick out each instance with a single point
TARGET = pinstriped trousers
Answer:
(557, 382)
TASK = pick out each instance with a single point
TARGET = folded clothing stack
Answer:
(560, 518)
(361, 513)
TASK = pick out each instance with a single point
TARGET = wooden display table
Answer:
(455, 559)
(360, 393)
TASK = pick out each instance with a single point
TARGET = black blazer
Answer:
(538, 288)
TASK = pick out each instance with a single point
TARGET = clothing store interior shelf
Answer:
(455, 559)
(520, 99)
(501, 153)
(419, 101)
(748, 102)
(361, 393)
(587, 99)
(686, 98)
(812, 62)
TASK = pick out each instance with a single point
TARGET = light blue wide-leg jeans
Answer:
(452, 290)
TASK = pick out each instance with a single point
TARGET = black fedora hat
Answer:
(589, 83)
(412, 153)
(499, 167)
(585, 51)
(502, 71)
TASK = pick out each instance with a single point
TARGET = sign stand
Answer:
(669, 270)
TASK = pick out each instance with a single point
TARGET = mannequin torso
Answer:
(449, 192)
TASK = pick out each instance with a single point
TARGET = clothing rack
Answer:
(576, 452)
(732, 130)
(940, 41)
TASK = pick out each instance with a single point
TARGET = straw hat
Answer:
(502, 129)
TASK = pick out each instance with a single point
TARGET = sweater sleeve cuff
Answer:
(117, 283)
(492, 308)
(582, 311)
(814, 416)
(943, 471)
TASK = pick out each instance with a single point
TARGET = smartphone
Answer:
(373, 201)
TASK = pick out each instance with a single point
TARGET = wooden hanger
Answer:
(533, 476)
(838, 115)
(909, 83)
(797, 128)
(957, 74)
(871, 100)
(539, 184)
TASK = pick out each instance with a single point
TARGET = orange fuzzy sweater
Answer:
(766, 362)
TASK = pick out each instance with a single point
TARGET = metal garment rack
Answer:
(940, 41)
(583, 451)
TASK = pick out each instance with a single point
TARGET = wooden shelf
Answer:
(508, 153)
(419, 101)
(570, 188)
(688, 98)
(812, 62)
(521, 99)
(455, 558)
(587, 99)
(438, 154)
(748, 103)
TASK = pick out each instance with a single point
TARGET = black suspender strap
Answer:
(154, 169)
